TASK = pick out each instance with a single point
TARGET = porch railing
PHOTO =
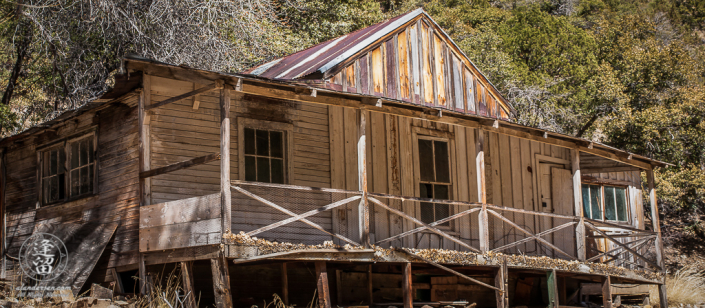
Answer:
(309, 215)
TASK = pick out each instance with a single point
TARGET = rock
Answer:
(90, 302)
(121, 303)
(100, 292)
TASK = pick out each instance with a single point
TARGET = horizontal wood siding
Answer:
(116, 198)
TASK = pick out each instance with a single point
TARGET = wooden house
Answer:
(378, 168)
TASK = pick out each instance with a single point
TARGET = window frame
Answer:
(435, 135)
(627, 202)
(65, 145)
(286, 128)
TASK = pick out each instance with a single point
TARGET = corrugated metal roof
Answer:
(326, 55)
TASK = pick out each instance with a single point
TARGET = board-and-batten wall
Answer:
(117, 197)
(179, 132)
(418, 65)
(390, 158)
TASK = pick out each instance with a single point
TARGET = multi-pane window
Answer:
(602, 202)
(264, 155)
(434, 179)
(68, 171)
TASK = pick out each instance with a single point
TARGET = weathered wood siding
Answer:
(117, 193)
(418, 65)
(180, 132)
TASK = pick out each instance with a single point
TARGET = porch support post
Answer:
(364, 206)
(501, 282)
(578, 201)
(285, 284)
(221, 282)
(143, 118)
(483, 223)
(552, 283)
(656, 223)
(407, 286)
(225, 193)
(187, 284)
(322, 283)
(607, 292)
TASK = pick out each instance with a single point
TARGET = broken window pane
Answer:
(610, 212)
(426, 160)
(621, 202)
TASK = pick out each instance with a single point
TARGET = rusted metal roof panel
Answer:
(323, 56)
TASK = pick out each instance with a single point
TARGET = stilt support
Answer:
(323, 292)
(606, 292)
(407, 286)
(187, 284)
(221, 282)
(552, 283)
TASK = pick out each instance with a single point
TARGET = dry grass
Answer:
(687, 286)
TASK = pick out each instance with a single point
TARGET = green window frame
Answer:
(605, 202)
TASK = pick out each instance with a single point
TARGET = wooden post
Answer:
(144, 161)
(187, 284)
(225, 193)
(285, 284)
(578, 201)
(3, 216)
(364, 207)
(607, 292)
(322, 283)
(221, 282)
(552, 283)
(142, 275)
(656, 222)
(483, 223)
(369, 285)
(500, 281)
(407, 286)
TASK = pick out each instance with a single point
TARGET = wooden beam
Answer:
(304, 220)
(425, 225)
(322, 284)
(187, 284)
(634, 253)
(285, 284)
(545, 242)
(370, 293)
(607, 292)
(364, 206)
(448, 269)
(500, 281)
(181, 97)
(552, 284)
(180, 165)
(483, 222)
(221, 282)
(407, 286)
(142, 272)
(636, 243)
(225, 193)
(578, 203)
(663, 297)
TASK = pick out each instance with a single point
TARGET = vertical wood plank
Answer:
(407, 172)
(285, 283)
(187, 284)
(225, 193)
(505, 178)
(221, 282)
(403, 54)
(142, 275)
(578, 204)
(552, 282)
(438, 81)
(145, 162)
(391, 69)
(427, 67)
(322, 284)
(377, 70)
(483, 226)
(379, 168)
(394, 172)
(350, 134)
(500, 282)
(607, 292)
(364, 74)
(407, 286)
(363, 208)
(517, 188)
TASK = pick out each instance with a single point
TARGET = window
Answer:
(264, 155)
(434, 178)
(602, 202)
(68, 170)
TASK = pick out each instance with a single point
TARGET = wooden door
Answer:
(551, 192)
(562, 197)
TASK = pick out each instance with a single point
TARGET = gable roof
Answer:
(321, 63)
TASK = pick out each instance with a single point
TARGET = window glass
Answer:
(264, 156)
(435, 179)
(68, 171)
(595, 202)
(610, 211)
(586, 201)
(621, 201)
